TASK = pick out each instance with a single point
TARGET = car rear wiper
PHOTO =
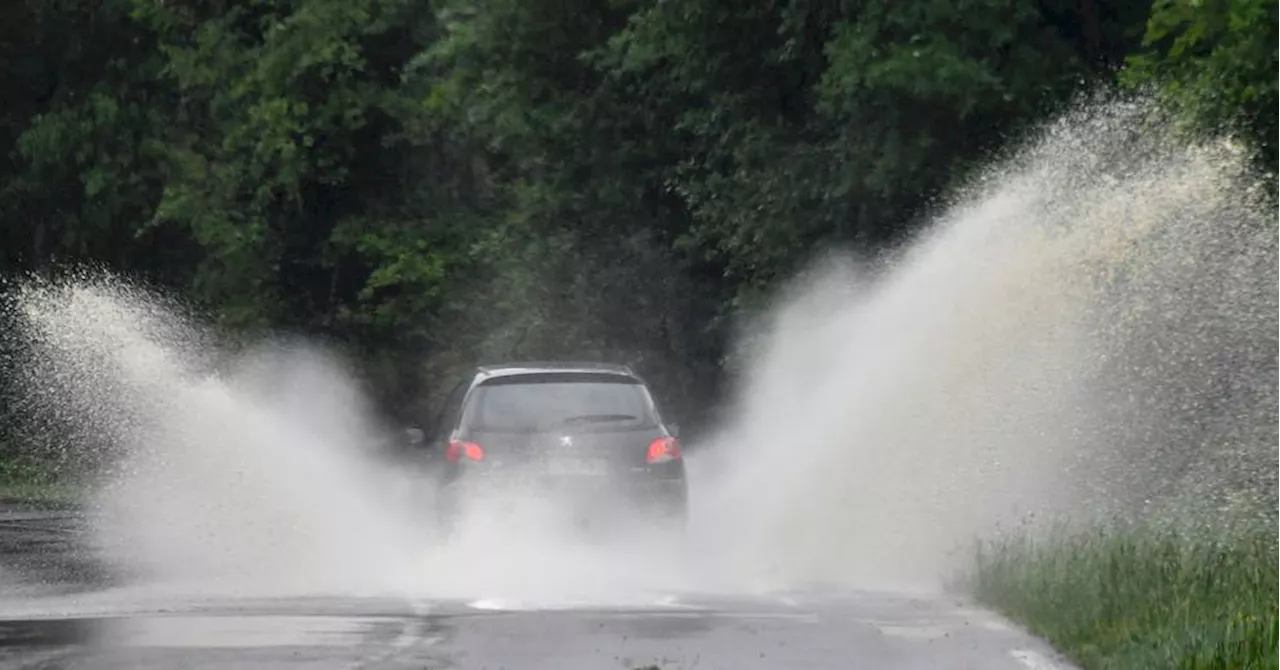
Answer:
(599, 418)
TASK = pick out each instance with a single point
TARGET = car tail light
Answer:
(663, 450)
(459, 449)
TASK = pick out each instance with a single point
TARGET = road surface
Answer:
(59, 611)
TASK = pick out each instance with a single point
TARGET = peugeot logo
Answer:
(566, 441)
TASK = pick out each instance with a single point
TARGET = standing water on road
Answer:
(1089, 328)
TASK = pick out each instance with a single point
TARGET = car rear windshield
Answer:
(560, 401)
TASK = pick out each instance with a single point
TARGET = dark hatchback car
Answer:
(585, 434)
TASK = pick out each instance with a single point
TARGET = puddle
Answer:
(205, 632)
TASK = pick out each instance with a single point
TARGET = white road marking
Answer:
(495, 604)
(505, 604)
(1033, 660)
(671, 607)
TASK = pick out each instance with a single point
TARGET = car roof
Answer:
(493, 371)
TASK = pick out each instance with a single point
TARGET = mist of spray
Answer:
(1089, 330)
(1090, 326)
(248, 471)
(227, 473)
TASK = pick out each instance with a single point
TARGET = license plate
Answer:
(577, 468)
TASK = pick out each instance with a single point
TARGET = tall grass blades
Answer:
(1141, 596)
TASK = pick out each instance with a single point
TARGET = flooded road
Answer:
(59, 609)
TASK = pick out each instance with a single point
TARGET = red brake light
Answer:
(663, 450)
(458, 449)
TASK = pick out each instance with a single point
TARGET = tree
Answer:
(1216, 61)
(84, 164)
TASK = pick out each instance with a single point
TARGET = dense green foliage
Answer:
(1142, 597)
(1218, 61)
(434, 183)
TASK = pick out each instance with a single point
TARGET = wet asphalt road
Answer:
(58, 610)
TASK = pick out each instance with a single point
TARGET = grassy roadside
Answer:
(1127, 596)
(31, 480)
(57, 494)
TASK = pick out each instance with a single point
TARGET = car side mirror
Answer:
(674, 429)
(415, 435)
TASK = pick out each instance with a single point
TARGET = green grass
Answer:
(1128, 596)
(29, 479)
(47, 494)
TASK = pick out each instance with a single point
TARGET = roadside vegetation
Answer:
(29, 480)
(41, 494)
(430, 182)
(426, 184)
(1142, 595)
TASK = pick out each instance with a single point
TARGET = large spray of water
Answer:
(1089, 327)
(249, 471)
(228, 473)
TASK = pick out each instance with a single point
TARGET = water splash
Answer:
(247, 471)
(1090, 327)
(233, 473)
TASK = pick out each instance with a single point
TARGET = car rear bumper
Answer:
(584, 495)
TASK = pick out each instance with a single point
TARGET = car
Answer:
(588, 436)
